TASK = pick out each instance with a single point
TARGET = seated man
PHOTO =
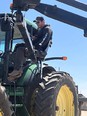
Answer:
(40, 42)
(44, 35)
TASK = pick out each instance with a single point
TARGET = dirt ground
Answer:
(84, 113)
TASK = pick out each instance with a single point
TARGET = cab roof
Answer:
(31, 26)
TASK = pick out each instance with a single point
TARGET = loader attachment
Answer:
(24, 5)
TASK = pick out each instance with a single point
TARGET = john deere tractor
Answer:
(41, 90)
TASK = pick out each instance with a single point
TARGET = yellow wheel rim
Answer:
(65, 102)
(1, 113)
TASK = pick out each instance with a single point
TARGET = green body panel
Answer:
(27, 73)
(19, 91)
(20, 107)
(16, 90)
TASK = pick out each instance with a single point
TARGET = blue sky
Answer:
(67, 41)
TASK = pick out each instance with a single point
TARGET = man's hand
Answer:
(33, 37)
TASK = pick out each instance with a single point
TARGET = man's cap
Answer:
(38, 19)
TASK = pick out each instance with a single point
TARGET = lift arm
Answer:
(63, 16)
(75, 3)
(55, 12)
(25, 34)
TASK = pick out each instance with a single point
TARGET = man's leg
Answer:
(20, 58)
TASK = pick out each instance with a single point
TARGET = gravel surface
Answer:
(84, 113)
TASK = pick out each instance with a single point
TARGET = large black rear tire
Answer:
(57, 96)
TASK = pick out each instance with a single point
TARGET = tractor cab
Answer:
(9, 39)
(13, 33)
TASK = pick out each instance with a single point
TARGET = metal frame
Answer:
(75, 3)
(63, 16)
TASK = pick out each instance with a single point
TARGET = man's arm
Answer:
(47, 36)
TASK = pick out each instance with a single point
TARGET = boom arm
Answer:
(55, 12)
(24, 5)
(75, 3)
(63, 16)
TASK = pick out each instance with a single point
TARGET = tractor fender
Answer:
(36, 74)
(47, 69)
(28, 75)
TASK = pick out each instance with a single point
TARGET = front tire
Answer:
(5, 105)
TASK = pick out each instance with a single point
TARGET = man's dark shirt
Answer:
(43, 37)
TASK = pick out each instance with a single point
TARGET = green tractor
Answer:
(41, 90)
